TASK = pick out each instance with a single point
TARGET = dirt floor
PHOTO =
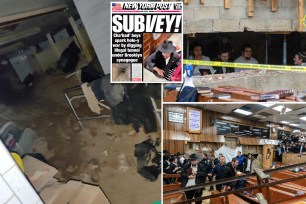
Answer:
(101, 154)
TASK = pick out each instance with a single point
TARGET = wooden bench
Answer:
(175, 185)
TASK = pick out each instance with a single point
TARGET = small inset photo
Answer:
(149, 37)
(162, 57)
(121, 72)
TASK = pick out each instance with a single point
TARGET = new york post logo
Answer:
(177, 6)
(116, 6)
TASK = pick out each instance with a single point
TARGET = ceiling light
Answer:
(267, 104)
(242, 112)
(281, 108)
(294, 125)
(285, 122)
(303, 118)
(222, 123)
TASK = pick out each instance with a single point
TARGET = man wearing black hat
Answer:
(208, 167)
(165, 57)
(193, 174)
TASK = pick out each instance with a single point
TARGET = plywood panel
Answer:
(177, 131)
(267, 156)
(291, 158)
(47, 59)
(174, 146)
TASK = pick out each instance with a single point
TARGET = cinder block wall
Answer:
(213, 17)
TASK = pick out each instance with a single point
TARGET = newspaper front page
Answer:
(146, 42)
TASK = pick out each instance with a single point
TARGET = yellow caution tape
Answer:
(18, 160)
(245, 66)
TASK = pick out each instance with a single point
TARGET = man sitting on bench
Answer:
(165, 58)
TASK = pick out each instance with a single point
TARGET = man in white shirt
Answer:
(246, 57)
(192, 174)
(248, 164)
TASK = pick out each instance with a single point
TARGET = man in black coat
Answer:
(164, 58)
(230, 171)
(193, 174)
(218, 171)
(208, 167)
(223, 56)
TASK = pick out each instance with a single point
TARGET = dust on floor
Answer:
(101, 154)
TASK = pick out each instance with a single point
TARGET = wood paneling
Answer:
(268, 153)
(248, 141)
(208, 137)
(174, 146)
(291, 158)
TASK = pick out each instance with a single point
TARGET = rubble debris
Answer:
(131, 132)
(93, 166)
(123, 164)
(95, 177)
(71, 169)
(148, 160)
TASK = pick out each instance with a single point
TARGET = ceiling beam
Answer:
(13, 36)
(31, 14)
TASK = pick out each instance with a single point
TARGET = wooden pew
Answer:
(173, 198)
(231, 199)
(175, 185)
(282, 192)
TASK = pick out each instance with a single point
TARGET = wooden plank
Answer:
(53, 47)
(80, 39)
(95, 17)
(274, 5)
(18, 35)
(31, 14)
(300, 14)
(227, 4)
(11, 48)
(250, 8)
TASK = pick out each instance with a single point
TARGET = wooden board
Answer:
(227, 4)
(300, 15)
(274, 5)
(250, 8)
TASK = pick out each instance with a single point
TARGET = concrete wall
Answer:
(265, 83)
(213, 17)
